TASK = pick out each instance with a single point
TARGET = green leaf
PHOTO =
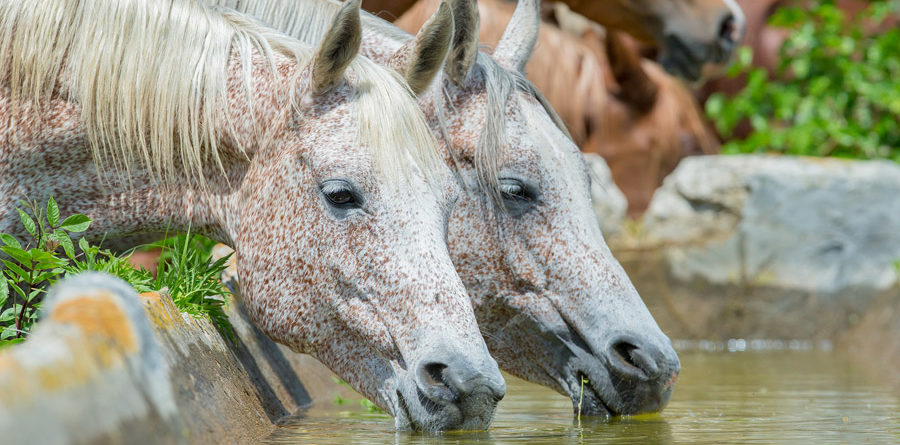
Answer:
(8, 332)
(4, 291)
(23, 276)
(18, 289)
(76, 223)
(65, 241)
(8, 314)
(84, 245)
(11, 342)
(40, 255)
(27, 222)
(10, 241)
(23, 257)
(47, 276)
(52, 212)
(34, 293)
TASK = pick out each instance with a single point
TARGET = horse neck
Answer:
(52, 139)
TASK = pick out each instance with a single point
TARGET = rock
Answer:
(609, 202)
(91, 365)
(819, 225)
(107, 365)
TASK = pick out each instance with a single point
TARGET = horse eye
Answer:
(339, 193)
(513, 189)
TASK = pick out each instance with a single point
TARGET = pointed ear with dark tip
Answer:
(636, 87)
(464, 49)
(338, 48)
(420, 59)
(515, 47)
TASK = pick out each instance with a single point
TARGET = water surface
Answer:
(782, 397)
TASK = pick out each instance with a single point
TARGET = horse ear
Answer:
(636, 87)
(464, 49)
(515, 47)
(338, 48)
(420, 59)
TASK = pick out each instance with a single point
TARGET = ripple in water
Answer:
(784, 397)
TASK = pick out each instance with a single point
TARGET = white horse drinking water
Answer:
(315, 165)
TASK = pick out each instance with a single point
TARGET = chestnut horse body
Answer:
(691, 34)
(552, 303)
(317, 167)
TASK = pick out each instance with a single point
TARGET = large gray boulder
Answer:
(609, 202)
(818, 225)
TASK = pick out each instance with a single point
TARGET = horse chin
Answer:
(601, 395)
(414, 411)
(693, 61)
(586, 400)
(591, 395)
(679, 60)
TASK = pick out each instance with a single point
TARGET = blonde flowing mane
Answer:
(149, 77)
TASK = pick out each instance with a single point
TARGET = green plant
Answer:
(31, 267)
(192, 279)
(835, 92)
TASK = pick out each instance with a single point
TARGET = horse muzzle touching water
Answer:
(315, 164)
(554, 305)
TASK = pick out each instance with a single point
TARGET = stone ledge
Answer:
(106, 365)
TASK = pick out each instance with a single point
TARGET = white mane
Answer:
(149, 77)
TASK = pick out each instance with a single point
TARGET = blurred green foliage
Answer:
(836, 91)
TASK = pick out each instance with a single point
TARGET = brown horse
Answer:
(689, 33)
(640, 119)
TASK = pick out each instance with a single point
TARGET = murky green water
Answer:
(781, 397)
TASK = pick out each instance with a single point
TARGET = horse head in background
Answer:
(691, 34)
(316, 165)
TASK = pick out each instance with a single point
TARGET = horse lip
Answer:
(405, 410)
(580, 349)
(591, 392)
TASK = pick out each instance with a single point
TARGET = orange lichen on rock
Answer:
(157, 311)
(98, 314)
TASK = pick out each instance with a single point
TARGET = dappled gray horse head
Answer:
(366, 283)
(316, 166)
(554, 305)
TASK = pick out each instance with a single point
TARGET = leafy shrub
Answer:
(29, 269)
(32, 267)
(836, 91)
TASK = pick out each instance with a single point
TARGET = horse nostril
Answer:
(630, 360)
(728, 30)
(452, 379)
(434, 374)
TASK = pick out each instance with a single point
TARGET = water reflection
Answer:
(749, 397)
